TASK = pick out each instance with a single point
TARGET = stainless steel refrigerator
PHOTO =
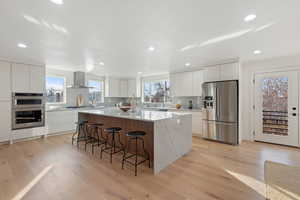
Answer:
(220, 116)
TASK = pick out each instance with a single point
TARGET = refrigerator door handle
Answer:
(217, 104)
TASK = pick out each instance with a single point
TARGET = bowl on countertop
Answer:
(124, 108)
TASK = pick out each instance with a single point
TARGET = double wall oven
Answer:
(28, 110)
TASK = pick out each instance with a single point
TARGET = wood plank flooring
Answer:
(52, 168)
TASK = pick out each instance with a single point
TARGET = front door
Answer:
(277, 108)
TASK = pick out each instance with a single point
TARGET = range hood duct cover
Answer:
(79, 80)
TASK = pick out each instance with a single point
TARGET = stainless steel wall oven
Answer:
(28, 110)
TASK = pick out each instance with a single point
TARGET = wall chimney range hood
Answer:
(79, 80)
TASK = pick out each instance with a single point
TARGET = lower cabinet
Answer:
(61, 121)
(5, 121)
(197, 123)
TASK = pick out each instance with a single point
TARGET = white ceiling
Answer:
(80, 33)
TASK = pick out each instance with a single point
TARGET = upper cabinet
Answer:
(186, 83)
(197, 83)
(120, 87)
(20, 78)
(229, 71)
(132, 89)
(123, 88)
(28, 78)
(5, 80)
(212, 74)
(37, 79)
(222, 72)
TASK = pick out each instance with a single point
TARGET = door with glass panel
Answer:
(276, 108)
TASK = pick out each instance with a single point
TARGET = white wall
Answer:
(248, 69)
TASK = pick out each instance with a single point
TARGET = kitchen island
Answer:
(168, 134)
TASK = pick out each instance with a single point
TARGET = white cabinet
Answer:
(28, 78)
(65, 123)
(197, 83)
(5, 81)
(5, 120)
(20, 78)
(132, 89)
(197, 123)
(123, 88)
(186, 84)
(113, 87)
(37, 79)
(229, 71)
(212, 74)
(120, 87)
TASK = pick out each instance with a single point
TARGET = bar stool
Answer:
(80, 133)
(136, 135)
(111, 148)
(93, 136)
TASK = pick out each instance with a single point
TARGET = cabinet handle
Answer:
(294, 114)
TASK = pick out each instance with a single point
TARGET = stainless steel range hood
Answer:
(79, 80)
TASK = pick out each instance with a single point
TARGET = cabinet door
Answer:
(197, 83)
(66, 121)
(123, 88)
(5, 81)
(20, 78)
(5, 120)
(229, 71)
(132, 87)
(37, 79)
(186, 84)
(114, 85)
(197, 123)
(212, 74)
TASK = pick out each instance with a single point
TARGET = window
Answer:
(96, 93)
(156, 91)
(55, 87)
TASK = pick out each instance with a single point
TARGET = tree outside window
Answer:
(156, 91)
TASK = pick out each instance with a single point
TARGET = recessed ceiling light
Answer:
(101, 63)
(187, 64)
(151, 48)
(249, 18)
(21, 45)
(140, 72)
(58, 2)
(256, 52)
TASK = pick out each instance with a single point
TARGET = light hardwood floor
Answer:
(52, 168)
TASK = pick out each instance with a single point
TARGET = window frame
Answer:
(101, 81)
(153, 79)
(64, 90)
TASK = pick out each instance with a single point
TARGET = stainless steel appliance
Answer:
(220, 116)
(28, 110)
(27, 100)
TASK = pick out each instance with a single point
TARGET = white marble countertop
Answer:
(142, 115)
(173, 109)
(57, 108)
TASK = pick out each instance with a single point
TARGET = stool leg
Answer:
(94, 130)
(79, 134)
(136, 156)
(113, 148)
(125, 152)
(146, 152)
